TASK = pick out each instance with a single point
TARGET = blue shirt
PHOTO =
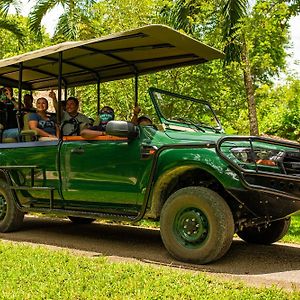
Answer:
(46, 125)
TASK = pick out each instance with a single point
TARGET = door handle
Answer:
(77, 150)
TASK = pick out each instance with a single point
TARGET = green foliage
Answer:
(181, 14)
(264, 27)
(109, 17)
(9, 43)
(115, 16)
(293, 235)
(267, 36)
(70, 22)
(8, 24)
(37, 273)
(280, 110)
(233, 13)
(294, 6)
(5, 5)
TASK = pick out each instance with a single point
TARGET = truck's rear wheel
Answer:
(266, 235)
(81, 220)
(11, 218)
(196, 225)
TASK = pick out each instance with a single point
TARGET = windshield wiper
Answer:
(209, 127)
(188, 122)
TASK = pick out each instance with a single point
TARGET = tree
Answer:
(280, 114)
(9, 43)
(236, 49)
(10, 25)
(248, 37)
(69, 23)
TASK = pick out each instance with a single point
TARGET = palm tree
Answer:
(233, 11)
(75, 14)
(9, 25)
(179, 14)
(5, 5)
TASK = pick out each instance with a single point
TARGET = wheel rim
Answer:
(191, 227)
(3, 207)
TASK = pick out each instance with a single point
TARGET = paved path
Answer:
(256, 264)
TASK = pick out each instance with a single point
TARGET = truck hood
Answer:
(186, 136)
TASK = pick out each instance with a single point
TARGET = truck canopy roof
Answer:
(122, 55)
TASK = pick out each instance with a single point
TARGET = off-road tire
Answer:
(81, 220)
(265, 235)
(196, 225)
(11, 218)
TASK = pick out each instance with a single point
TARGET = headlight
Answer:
(259, 156)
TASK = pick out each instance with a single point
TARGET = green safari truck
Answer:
(201, 184)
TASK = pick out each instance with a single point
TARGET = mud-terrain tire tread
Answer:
(219, 217)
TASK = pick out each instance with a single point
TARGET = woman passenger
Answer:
(43, 123)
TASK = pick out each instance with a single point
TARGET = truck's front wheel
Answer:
(266, 235)
(196, 225)
(11, 218)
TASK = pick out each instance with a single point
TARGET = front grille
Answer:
(291, 163)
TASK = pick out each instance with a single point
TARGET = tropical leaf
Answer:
(68, 24)
(233, 12)
(38, 12)
(180, 14)
(13, 28)
(5, 5)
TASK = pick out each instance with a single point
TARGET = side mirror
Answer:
(122, 129)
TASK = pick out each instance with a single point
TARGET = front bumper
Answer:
(270, 192)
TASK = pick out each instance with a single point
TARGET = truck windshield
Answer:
(174, 109)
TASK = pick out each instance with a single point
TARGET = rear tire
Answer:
(11, 218)
(81, 220)
(196, 225)
(265, 236)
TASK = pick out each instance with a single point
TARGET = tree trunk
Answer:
(248, 81)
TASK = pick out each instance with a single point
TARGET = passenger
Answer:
(9, 108)
(144, 120)
(28, 103)
(72, 120)
(106, 114)
(43, 123)
(135, 115)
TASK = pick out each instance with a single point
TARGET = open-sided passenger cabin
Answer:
(117, 56)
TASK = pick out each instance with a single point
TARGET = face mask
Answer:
(105, 118)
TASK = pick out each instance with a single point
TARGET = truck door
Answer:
(33, 170)
(107, 174)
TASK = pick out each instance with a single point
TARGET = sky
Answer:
(50, 20)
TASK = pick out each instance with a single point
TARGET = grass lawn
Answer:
(293, 235)
(38, 273)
